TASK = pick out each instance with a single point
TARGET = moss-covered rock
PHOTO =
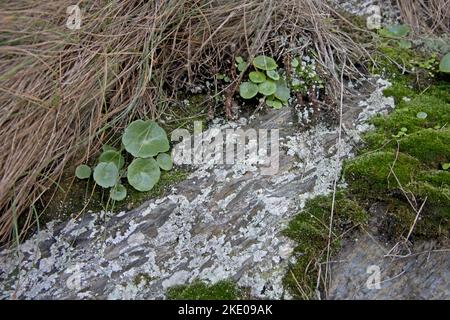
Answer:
(430, 146)
(405, 115)
(309, 229)
(419, 146)
(198, 290)
(399, 219)
(437, 178)
(400, 89)
(369, 175)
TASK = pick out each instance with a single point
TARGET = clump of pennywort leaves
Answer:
(147, 142)
(265, 80)
(397, 33)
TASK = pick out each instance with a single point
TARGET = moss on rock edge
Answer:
(309, 230)
(198, 290)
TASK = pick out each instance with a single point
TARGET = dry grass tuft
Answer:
(429, 16)
(63, 91)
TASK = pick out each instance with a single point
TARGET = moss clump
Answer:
(399, 219)
(401, 88)
(437, 178)
(419, 147)
(74, 196)
(370, 175)
(222, 290)
(430, 146)
(393, 60)
(405, 115)
(309, 229)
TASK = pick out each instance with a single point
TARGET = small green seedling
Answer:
(401, 133)
(83, 172)
(422, 115)
(241, 65)
(446, 166)
(266, 81)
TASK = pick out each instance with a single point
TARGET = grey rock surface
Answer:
(420, 273)
(389, 10)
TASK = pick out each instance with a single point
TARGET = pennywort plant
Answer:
(147, 142)
(397, 33)
(264, 80)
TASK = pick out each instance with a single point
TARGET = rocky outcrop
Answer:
(223, 222)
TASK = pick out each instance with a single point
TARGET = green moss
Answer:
(74, 196)
(370, 174)
(422, 147)
(400, 218)
(183, 115)
(436, 196)
(374, 140)
(405, 115)
(222, 290)
(400, 89)
(309, 229)
(437, 178)
(392, 60)
(430, 146)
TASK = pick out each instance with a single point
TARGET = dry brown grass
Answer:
(426, 16)
(63, 91)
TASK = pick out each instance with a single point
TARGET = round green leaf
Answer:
(274, 103)
(143, 174)
(267, 88)
(164, 161)
(118, 192)
(283, 93)
(272, 74)
(242, 66)
(83, 171)
(444, 66)
(239, 60)
(257, 77)
(107, 147)
(405, 44)
(248, 90)
(106, 174)
(264, 63)
(422, 115)
(399, 30)
(114, 157)
(295, 63)
(145, 139)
